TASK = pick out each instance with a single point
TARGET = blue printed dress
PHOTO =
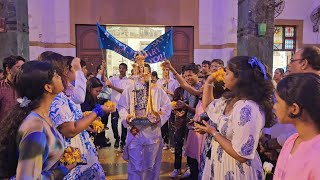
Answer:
(64, 110)
(242, 127)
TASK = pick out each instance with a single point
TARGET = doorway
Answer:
(137, 37)
(285, 40)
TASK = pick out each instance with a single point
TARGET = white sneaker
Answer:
(172, 150)
(165, 147)
(175, 173)
(186, 173)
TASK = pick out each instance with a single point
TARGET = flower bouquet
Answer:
(97, 124)
(71, 155)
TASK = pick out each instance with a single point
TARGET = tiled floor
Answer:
(116, 168)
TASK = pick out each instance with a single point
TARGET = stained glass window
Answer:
(289, 44)
(289, 32)
(284, 38)
(278, 38)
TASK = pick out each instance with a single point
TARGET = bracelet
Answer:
(98, 110)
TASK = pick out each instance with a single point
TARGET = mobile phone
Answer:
(204, 116)
(82, 163)
(200, 123)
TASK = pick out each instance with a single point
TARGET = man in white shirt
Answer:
(169, 85)
(118, 84)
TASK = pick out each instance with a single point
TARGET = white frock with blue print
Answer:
(65, 110)
(242, 127)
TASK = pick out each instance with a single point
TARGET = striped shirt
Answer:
(8, 98)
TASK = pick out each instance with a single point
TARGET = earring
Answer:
(292, 116)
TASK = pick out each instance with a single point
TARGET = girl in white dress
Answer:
(239, 117)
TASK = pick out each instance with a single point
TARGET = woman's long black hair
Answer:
(252, 85)
(92, 83)
(29, 82)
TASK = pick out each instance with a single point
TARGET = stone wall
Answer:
(49, 22)
(15, 41)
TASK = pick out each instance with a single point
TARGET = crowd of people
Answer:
(229, 120)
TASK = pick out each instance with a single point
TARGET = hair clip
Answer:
(253, 61)
(24, 102)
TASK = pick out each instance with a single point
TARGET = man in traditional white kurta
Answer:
(145, 148)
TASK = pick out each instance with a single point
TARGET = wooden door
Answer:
(182, 46)
(87, 46)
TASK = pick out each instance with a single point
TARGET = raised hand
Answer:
(108, 83)
(181, 104)
(76, 64)
(167, 64)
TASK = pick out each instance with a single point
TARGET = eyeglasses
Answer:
(293, 60)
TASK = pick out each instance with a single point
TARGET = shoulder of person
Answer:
(290, 140)
(61, 99)
(246, 103)
(113, 78)
(316, 144)
(32, 123)
(157, 88)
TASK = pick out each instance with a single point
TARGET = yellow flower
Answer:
(218, 75)
(219, 78)
(98, 125)
(86, 113)
(71, 155)
(110, 104)
(77, 155)
(68, 149)
(174, 105)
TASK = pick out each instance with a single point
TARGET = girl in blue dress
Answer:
(69, 120)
